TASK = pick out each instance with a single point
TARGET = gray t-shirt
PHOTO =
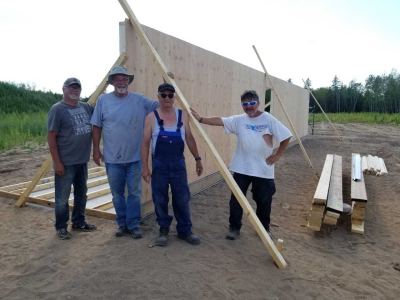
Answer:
(122, 123)
(74, 132)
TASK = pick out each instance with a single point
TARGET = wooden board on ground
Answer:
(321, 193)
(335, 194)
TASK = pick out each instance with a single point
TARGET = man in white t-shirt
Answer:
(254, 157)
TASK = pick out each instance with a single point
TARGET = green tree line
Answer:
(21, 98)
(379, 94)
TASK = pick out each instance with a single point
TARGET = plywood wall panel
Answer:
(211, 83)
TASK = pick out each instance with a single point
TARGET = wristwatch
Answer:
(197, 158)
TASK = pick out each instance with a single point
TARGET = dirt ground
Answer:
(331, 264)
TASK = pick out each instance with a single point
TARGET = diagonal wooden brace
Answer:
(248, 210)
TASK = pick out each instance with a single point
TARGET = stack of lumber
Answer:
(358, 198)
(373, 165)
(99, 197)
(327, 203)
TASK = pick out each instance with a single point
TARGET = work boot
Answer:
(85, 227)
(63, 234)
(233, 234)
(121, 231)
(137, 233)
(191, 239)
(162, 239)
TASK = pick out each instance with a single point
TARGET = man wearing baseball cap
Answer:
(118, 118)
(69, 138)
(166, 132)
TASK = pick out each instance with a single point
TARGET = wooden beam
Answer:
(48, 203)
(248, 210)
(321, 193)
(335, 194)
(358, 191)
(284, 110)
(320, 107)
(45, 167)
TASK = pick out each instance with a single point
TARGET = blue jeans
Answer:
(75, 175)
(171, 173)
(127, 208)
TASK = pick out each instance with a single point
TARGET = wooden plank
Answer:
(45, 167)
(330, 220)
(321, 193)
(48, 203)
(358, 211)
(335, 193)
(20, 187)
(315, 217)
(358, 190)
(248, 210)
(383, 166)
(284, 110)
(357, 228)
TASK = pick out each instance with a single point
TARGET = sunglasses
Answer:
(249, 103)
(170, 96)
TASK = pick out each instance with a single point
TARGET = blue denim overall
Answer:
(169, 169)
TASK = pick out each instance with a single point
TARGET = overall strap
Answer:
(179, 124)
(159, 121)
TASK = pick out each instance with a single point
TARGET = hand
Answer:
(199, 168)
(59, 168)
(97, 156)
(272, 159)
(146, 174)
(195, 114)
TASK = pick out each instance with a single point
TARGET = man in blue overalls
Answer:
(167, 130)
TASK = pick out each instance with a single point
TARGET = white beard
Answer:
(122, 90)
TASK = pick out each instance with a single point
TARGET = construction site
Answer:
(334, 216)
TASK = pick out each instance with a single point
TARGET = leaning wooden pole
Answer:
(248, 210)
(320, 107)
(45, 167)
(284, 109)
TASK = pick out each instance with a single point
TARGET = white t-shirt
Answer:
(251, 149)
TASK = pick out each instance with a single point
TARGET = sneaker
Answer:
(136, 233)
(191, 239)
(233, 234)
(121, 231)
(85, 227)
(63, 234)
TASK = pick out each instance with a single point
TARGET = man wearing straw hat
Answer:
(119, 118)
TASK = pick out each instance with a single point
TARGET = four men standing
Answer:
(123, 119)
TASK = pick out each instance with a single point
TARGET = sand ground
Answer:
(331, 264)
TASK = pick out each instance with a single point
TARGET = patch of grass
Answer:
(22, 129)
(369, 118)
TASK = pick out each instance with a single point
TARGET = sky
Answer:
(45, 41)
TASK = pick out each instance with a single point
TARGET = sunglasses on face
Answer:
(249, 103)
(170, 96)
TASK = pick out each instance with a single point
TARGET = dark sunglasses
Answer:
(249, 103)
(170, 96)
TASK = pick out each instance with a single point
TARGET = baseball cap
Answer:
(166, 87)
(71, 81)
